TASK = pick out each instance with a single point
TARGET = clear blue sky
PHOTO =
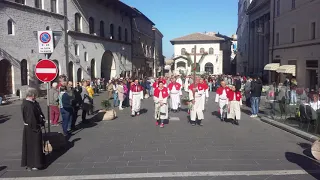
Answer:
(176, 18)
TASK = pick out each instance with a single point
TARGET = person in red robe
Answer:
(175, 93)
(222, 99)
(234, 103)
(135, 96)
(160, 98)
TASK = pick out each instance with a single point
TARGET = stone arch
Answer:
(108, 68)
(208, 67)
(24, 72)
(70, 71)
(79, 74)
(93, 69)
(6, 77)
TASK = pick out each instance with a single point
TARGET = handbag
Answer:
(47, 147)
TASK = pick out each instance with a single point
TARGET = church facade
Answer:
(210, 49)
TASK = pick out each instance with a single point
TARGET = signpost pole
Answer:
(48, 100)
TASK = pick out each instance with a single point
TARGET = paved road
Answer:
(121, 148)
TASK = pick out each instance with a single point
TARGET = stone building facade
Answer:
(92, 39)
(259, 38)
(210, 53)
(158, 53)
(296, 39)
(143, 45)
(242, 36)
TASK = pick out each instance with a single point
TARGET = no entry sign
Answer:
(46, 70)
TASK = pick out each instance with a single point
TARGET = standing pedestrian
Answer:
(65, 109)
(135, 96)
(54, 104)
(195, 95)
(256, 89)
(32, 144)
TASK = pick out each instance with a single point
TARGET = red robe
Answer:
(176, 85)
(220, 90)
(232, 94)
(164, 92)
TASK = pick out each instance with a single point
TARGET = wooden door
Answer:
(6, 77)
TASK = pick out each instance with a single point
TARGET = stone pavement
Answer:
(117, 149)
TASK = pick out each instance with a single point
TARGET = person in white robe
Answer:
(160, 98)
(175, 93)
(135, 96)
(222, 100)
(205, 95)
(186, 84)
(195, 95)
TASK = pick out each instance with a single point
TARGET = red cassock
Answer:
(155, 85)
(220, 90)
(199, 86)
(136, 88)
(164, 92)
(176, 85)
(232, 94)
(163, 80)
(205, 85)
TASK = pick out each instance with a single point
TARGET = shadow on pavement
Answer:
(55, 154)
(4, 118)
(143, 111)
(306, 149)
(3, 168)
(309, 165)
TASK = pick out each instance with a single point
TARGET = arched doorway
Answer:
(108, 68)
(57, 64)
(79, 74)
(6, 77)
(208, 67)
(93, 69)
(70, 71)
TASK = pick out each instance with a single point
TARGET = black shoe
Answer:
(132, 115)
(193, 124)
(200, 123)
(236, 122)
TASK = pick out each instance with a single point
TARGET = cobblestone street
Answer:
(117, 149)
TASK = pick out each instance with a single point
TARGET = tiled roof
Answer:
(199, 37)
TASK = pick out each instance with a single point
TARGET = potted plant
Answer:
(107, 113)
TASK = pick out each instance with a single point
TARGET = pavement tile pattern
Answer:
(136, 145)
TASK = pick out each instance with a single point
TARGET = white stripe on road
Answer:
(169, 175)
(46, 70)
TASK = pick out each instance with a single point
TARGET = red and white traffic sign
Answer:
(46, 70)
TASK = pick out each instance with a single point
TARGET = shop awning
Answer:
(287, 69)
(271, 66)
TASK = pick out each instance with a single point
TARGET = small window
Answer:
(201, 50)
(91, 25)
(20, 1)
(126, 34)
(293, 4)
(111, 31)
(183, 51)
(54, 8)
(293, 34)
(101, 28)
(48, 28)
(278, 7)
(277, 39)
(313, 30)
(24, 72)
(38, 4)
(210, 50)
(78, 22)
(119, 33)
(192, 51)
(86, 56)
(10, 27)
(76, 49)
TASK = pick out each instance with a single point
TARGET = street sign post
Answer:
(45, 42)
(46, 71)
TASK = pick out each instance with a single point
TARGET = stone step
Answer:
(12, 97)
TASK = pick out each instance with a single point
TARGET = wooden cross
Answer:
(195, 69)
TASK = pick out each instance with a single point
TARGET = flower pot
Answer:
(315, 149)
(107, 115)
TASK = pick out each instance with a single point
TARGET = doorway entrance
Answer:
(6, 77)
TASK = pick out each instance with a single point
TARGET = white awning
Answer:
(271, 66)
(287, 69)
